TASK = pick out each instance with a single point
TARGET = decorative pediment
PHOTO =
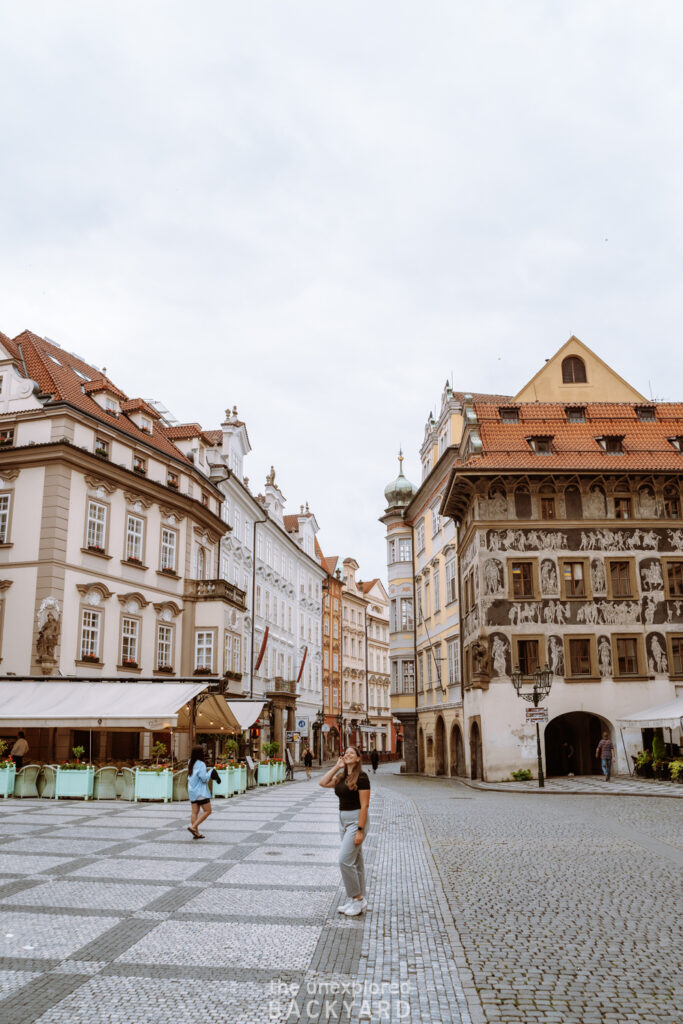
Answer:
(206, 536)
(171, 513)
(94, 593)
(5, 584)
(167, 610)
(97, 483)
(8, 476)
(137, 499)
(133, 598)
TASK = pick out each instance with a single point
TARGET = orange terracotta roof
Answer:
(291, 524)
(369, 584)
(214, 436)
(102, 383)
(65, 376)
(574, 445)
(140, 405)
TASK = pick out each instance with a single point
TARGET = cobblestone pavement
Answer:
(483, 907)
(587, 784)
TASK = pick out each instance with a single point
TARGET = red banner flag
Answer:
(303, 662)
(262, 651)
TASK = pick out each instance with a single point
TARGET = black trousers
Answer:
(18, 761)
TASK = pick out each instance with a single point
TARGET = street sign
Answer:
(289, 736)
(302, 726)
(326, 727)
(536, 715)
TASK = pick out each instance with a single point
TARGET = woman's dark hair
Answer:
(351, 775)
(197, 754)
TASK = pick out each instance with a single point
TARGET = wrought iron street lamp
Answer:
(542, 680)
(320, 721)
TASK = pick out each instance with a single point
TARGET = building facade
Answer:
(382, 733)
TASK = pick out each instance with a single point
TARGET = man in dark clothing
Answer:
(308, 761)
(605, 751)
(374, 760)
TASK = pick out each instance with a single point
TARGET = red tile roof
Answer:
(140, 405)
(574, 445)
(369, 584)
(291, 524)
(214, 436)
(57, 373)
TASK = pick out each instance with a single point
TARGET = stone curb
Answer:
(490, 788)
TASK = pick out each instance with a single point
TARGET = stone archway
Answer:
(420, 750)
(440, 747)
(476, 765)
(578, 732)
(457, 751)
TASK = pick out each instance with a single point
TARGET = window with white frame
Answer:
(247, 533)
(164, 646)
(4, 517)
(451, 581)
(97, 525)
(335, 662)
(130, 631)
(453, 649)
(237, 525)
(227, 652)
(169, 542)
(437, 588)
(420, 535)
(408, 677)
(405, 552)
(203, 650)
(91, 632)
(134, 534)
(200, 563)
(236, 653)
(436, 519)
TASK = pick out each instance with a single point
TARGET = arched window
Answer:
(200, 564)
(573, 370)
(547, 500)
(672, 504)
(573, 504)
(522, 502)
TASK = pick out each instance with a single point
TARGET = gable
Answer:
(602, 383)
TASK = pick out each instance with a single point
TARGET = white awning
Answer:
(216, 714)
(94, 705)
(666, 716)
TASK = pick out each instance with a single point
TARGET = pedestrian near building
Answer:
(19, 751)
(198, 776)
(568, 754)
(308, 762)
(605, 751)
(374, 760)
(352, 787)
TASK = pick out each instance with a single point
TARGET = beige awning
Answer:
(94, 705)
(216, 714)
(667, 716)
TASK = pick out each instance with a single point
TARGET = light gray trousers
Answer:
(351, 856)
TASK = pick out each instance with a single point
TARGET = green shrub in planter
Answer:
(521, 775)
(676, 770)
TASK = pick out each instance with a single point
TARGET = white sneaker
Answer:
(355, 907)
(343, 907)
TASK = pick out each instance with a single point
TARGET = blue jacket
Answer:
(197, 783)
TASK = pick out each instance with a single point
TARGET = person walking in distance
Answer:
(352, 787)
(308, 762)
(198, 776)
(374, 760)
(605, 751)
(19, 751)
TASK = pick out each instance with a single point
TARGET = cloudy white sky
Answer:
(320, 211)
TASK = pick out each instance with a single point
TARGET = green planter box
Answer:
(153, 785)
(75, 782)
(281, 772)
(7, 775)
(263, 775)
(242, 783)
(222, 788)
(234, 776)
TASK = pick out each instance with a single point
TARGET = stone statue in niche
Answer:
(598, 579)
(647, 502)
(595, 505)
(49, 628)
(657, 659)
(604, 657)
(556, 655)
(499, 651)
(480, 658)
(493, 575)
(548, 577)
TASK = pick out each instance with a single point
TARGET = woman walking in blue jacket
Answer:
(198, 776)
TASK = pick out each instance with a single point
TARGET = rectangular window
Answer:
(627, 655)
(527, 654)
(335, 662)
(420, 673)
(451, 581)
(169, 540)
(548, 508)
(172, 480)
(436, 520)
(139, 465)
(91, 629)
(7, 437)
(437, 589)
(326, 659)
(237, 525)
(576, 414)
(164, 646)
(420, 535)
(101, 448)
(509, 415)
(129, 641)
(404, 549)
(674, 579)
(406, 613)
(4, 518)
(267, 604)
(335, 698)
(453, 648)
(408, 677)
(620, 579)
(677, 655)
(203, 650)
(580, 657)
(646, 413)
(622, 508)
(672, 506)
(134, 533)
(227, 652)
(237, 654)
(97, 525)
(522, 580)
(573, 579)
(335, 629)
(428, 658)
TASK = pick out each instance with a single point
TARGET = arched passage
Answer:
(476, 770)
(440, 747)
(457, 751)
(570, 743)
(420, 750)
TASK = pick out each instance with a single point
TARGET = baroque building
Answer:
(567, 508)
(381, 734)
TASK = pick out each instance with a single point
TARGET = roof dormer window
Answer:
(509, 415)
(612, 444)
(576, 413)
(646, 413)
(573, 370)
(541, 444)
(111, 406)
(677, 443)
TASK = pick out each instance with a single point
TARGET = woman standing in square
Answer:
(352, 787)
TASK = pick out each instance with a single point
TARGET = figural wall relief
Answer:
(604, 657)
(598, 578)
(549, 584)
(556, 655)
(500, 655)
(651, 610)
(656, 653)
(608, 540)
(494, 576)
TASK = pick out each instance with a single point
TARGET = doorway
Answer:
(577, 731)
(420, 751)
(440, 743)
(476, 752)
(457, 752)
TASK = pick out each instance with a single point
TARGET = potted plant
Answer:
(75, 778)
(154, 781)
(96, 549)
(102, 453)
(8, 772)
(129, 663)
(172, 483)
(168, 570)
(676, 769)
(643, 764)
(164, 668)
(90, 657)
(203, 670)
(134, 560)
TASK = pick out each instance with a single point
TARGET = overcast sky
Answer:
(320, 211)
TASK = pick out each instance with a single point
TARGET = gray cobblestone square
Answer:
(39, 936)
(97, 895)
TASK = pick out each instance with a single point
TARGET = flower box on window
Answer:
(90, 657)
(140, 470)
(233, 675)
(96, 549)
(173, 483)
(8, 773)
(203, 670)
(6, 442)
(133, 560)
(168, 571)
(165, 668)
(102, 453)
(129, 663)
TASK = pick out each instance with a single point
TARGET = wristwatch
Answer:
(359, 828)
